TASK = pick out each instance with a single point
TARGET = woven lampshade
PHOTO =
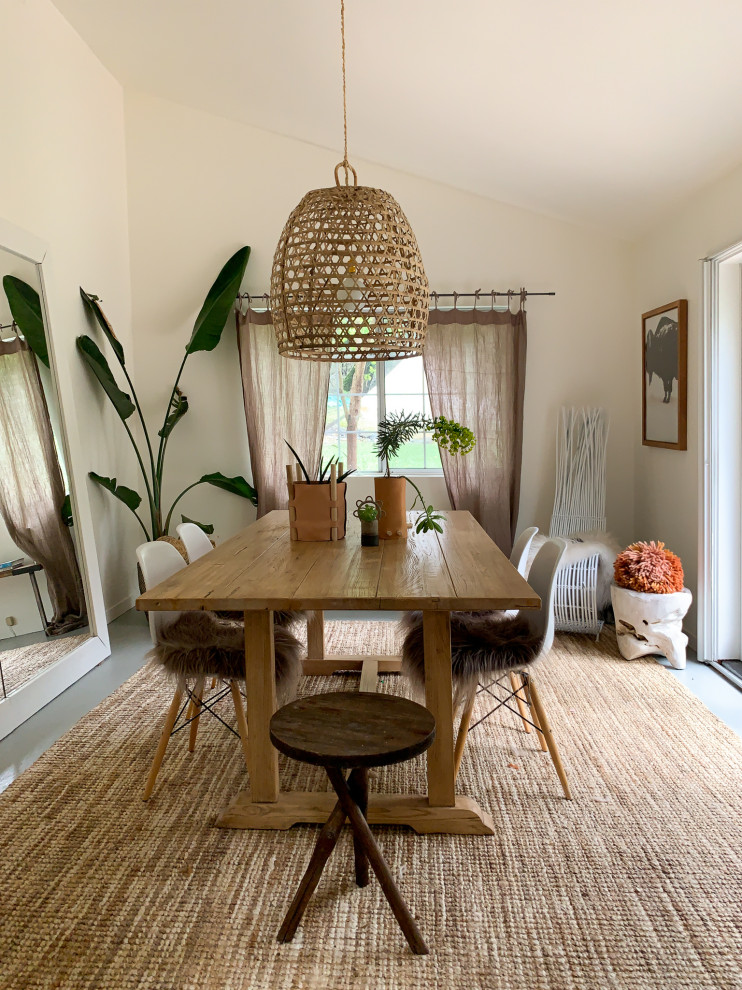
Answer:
(348, 282)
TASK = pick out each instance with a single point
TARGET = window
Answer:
(363, 393)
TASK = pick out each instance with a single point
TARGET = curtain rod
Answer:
(476, 295)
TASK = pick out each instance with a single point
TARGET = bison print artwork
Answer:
(665, 347)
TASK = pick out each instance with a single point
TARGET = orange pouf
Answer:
(650, 568)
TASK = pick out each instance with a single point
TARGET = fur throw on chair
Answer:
(199, 644)
(482, 643)
(580, 546)
(286, 617)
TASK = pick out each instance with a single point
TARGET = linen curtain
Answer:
(475, 365)
(31, 485)
(284, 399)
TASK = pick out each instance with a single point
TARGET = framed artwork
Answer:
(665, 376)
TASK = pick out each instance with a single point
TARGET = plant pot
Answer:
(647, 623)
(369, 532)
(312, 517)
(392, 494)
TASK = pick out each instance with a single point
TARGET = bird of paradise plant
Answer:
(207, 333)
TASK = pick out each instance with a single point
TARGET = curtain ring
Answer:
(510, 296)
(455, 300)
(493, 300)
(476, 298)
(523, 295)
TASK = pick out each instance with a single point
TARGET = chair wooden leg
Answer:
(516, 684)
(378, 864)
(198, 694)
(463, 732)
(543, 723)
(239, 711)
(326, 842)
(358, 787)
(534, 718)
(170, 718)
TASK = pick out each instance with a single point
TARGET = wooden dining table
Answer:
(260, 570)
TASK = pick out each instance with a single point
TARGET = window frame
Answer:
(381, 397)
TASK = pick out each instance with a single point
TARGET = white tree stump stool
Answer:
(648, 623)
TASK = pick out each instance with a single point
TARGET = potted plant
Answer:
(317, 510)
(391, 490)
(207, 332)
(649, 603)
(369, 512)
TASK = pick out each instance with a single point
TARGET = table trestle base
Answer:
(314, 807)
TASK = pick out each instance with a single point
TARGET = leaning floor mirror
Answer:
(52, 618)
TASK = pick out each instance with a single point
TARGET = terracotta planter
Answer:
(313, 522)
(392, 493)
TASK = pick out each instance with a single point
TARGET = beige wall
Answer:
(200, 186)
(668, 267)
(63, 178)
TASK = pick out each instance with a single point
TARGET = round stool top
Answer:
(352, 729)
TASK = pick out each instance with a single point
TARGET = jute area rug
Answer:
(22, 663)
(636, 883)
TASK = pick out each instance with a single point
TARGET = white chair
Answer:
(194, 539)
(519, 553)
(194, 646)
(488, 649)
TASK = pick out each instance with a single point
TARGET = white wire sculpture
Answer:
(579, 506)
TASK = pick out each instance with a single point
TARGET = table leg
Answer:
(260, 681)
(316, 635)
(439, 701)
(39, 602)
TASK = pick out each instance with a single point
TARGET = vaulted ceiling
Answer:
(604, 113)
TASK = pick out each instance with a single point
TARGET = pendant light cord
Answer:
(345, 102)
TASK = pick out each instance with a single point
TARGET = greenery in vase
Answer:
(207, 333)
(398, 429)
(323, 476)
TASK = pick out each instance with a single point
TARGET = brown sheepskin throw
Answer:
(482, 643)
(199, 644)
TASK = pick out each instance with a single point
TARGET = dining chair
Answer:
(194, 539)
(519, 553)
(492, 655)
(194, 646)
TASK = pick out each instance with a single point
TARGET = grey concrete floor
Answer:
(130, 642)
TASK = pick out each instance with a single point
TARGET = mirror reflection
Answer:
(43, 615)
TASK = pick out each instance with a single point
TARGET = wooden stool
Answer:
(352, 730)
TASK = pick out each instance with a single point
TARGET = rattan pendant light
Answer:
(348, 282)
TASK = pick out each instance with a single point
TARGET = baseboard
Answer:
(114, 611)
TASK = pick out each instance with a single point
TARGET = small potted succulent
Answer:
(391, 490)
(369, 512)
(650, 602)
(317, 510)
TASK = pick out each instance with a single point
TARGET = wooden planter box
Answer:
(313, 514)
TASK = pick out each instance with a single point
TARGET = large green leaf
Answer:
(178, 409)
(206, 527)
(128, 496)
(237, 486)
(219, 303)
(99, 366)
(92, 304)
(25, 307)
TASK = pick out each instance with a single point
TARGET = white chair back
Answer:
(158, 561)
(196, 541)
(519, 553)
(542, 578)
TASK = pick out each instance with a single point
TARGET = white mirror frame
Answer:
(48, 684)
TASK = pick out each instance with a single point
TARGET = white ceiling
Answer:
(601, 112)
